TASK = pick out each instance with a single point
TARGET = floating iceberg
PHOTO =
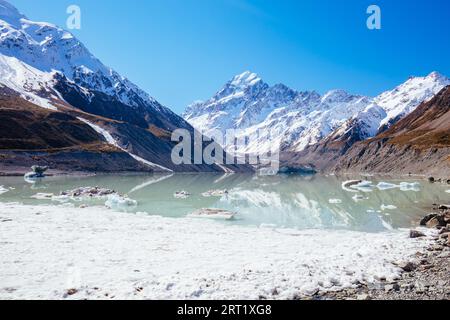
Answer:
(215, 193)
(37, 174)
(364, 186)
(403, 186)
(358, 197)
(335, 201)
(386, 186)
(117, 202)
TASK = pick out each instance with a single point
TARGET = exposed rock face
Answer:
(418, 143)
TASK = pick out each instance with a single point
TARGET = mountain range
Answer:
(44, 66)
(304, 123)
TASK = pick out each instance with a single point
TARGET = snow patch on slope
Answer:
(109, 138)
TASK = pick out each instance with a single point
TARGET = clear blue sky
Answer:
(185, 50)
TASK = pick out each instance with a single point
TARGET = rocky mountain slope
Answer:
(298, 120)
(50, 68)
(418, 143)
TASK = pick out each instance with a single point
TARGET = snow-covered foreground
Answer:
(48, 250)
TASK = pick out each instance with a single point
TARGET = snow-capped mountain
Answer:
(296, 119)
(55, 52)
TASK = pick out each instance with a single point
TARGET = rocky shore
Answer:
(425, 278)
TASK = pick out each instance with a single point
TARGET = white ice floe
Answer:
(335, 201)
(118, 202)
(386, 186)
(358, 197)
(124, 256)
(43, 196)
(346, 185)
(3, 190)
(215, 193)
(403, 186)
(357, 185)
(181, 194)
(448, 191)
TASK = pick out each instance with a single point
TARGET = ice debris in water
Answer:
(3, 190)
(213, 214)
(181, 194)
(215, 193)
(403, 186)
(364, 186)
(116, 201)
(386, 186)
(388, 207)
(358, 197)
(335, 201)
(414, 186)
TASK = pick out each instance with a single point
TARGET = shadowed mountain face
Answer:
(418, 143)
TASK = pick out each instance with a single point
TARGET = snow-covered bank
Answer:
(101, 254)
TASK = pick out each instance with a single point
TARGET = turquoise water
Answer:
(284, 201)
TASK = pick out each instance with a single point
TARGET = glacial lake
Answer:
(291, 201)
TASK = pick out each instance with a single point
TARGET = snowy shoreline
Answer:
(57, 252)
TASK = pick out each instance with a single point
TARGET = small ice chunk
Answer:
(386, 186)
(42, 196)
(358, 197)
(181, 194)
(346, 185)
(215, 193)
(335, 201)
(448, 191)
(213, 214)
(116, 201)
(3, 190)
(364, 186)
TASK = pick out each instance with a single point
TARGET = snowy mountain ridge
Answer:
(299, 119)
(49, 48)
